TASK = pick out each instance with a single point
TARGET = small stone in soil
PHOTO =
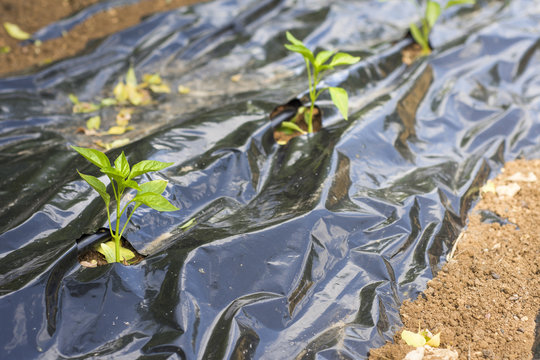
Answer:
(495, 275)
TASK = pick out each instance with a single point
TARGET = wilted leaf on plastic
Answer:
(160, 88)
(112, 145)
(152, 79)
(123, 117)
(131, 79)
(73, 98)
(85, 107)
(15, 31)
(118, 130)
(188, 224)
(183, 89)
(108, 102)
(120, 92)
(93, 123)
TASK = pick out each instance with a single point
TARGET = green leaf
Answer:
(418, 37)
(131, 79)
(132, 184)
(344, 59)
(96, 157)
(459, 2)
(121, 164)
(146, 166)
(5, 49)
(73, 98)
(107, 251)
(292, 126)
(302, 50)
(100, 187)
(114, 173)
(93, 123)
(154, 186)
(340, 99)
(433, 11)
(292, 39)
(323, 57)
(15, 31)
(155, 201)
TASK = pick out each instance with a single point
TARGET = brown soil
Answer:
(410, 53)
(30, 16)
(487, 297)
(283, 138)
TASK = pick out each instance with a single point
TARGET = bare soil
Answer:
(30, 16)
(486, 300)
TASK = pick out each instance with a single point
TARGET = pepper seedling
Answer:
(121, 177)
(430, 17)
(316, 66)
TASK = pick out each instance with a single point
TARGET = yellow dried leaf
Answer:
(161, 88)
(120, 92)
(117, 130)
(123, 117)
(15, 31)
(236, 78)
(413, 339)
(152, 79)
(183, 89)
(435, 340)
(131, 79)
(93, 123)
(118, 143)
(489, 187)
(134, 95)
(85, 107)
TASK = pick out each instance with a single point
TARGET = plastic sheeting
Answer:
(303, 251)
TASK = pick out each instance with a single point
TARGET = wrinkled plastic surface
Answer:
(298, 252)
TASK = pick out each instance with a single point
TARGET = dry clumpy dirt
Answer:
(31, 16)
(486, 300)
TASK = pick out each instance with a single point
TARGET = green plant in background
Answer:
(316, 66)
(121, 177)
(430, 17)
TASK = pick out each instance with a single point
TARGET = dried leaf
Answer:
(236, 78)
(108, 102)
(152, 79)
(435, 340)
(15, 31)
(73, 98)
(119, 130)
(183, 89)
(134, 95)
(413, 339)
(489, 187)
(85, 107)
(161, 88)
(123, 117)
(120, 92)
(93, 123)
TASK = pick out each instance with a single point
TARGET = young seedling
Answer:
(121, 177)
(431, 15)
(316, 66)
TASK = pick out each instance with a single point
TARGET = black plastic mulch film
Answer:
(302, 251)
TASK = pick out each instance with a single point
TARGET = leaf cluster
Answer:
(316, 66)
(121, 176)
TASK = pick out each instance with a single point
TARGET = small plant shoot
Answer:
(430, 17)
(121, 176)
(316, 66)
